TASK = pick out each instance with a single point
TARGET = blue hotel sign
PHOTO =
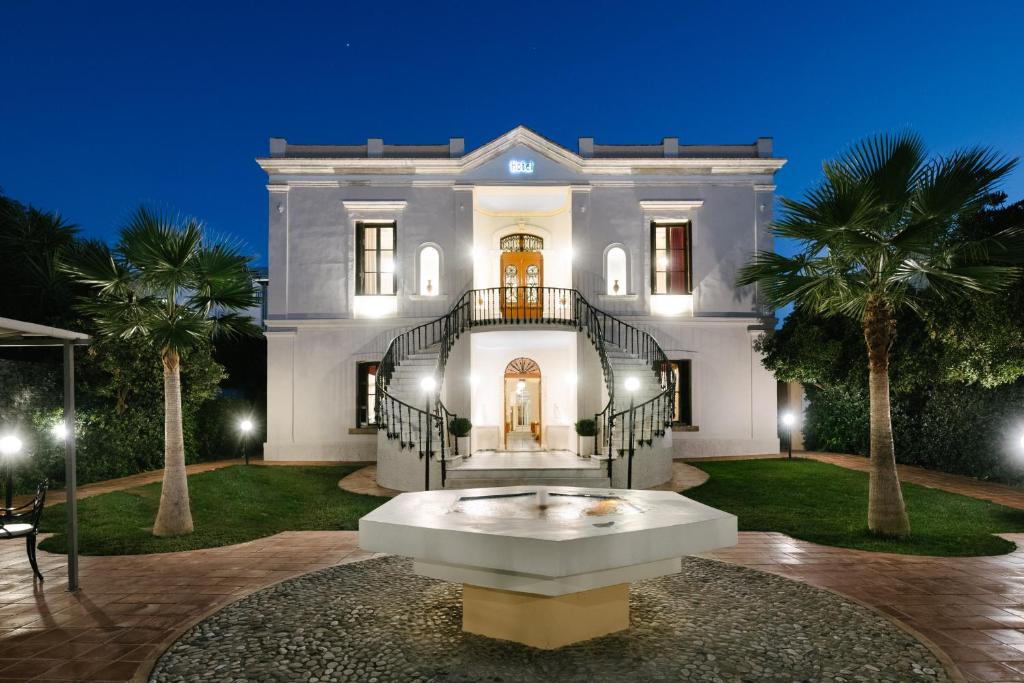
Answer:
(520, 166)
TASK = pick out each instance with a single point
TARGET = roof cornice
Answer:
(518, 136)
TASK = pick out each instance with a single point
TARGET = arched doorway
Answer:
(522, 405)
(522, 275)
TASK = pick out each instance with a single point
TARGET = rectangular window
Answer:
(366, 383)
(375, 259)
(670, 258)
(682, 410)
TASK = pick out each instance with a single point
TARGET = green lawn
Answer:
(827, 504)
(229, 505)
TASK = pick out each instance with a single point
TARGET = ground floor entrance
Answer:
(522, 405)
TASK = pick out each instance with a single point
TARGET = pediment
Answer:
(521, 155)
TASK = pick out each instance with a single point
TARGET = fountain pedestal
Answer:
(545, 566)
(545, 622)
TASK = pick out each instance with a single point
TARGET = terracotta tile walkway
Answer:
(955, 483)
(53, 497)
(131, 608)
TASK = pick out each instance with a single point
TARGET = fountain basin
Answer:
(545, 566)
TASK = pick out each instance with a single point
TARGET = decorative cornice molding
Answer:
(764, 188)
(670, 204)
(375, 205)
(276, 187)
(519, 136)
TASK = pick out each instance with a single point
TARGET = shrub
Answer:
(460, 426)
(959, 428)
(586, 427)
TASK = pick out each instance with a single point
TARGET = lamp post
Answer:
(788, 420)
(10, 446)
(245, 426)
(632, 384)
(428, 384)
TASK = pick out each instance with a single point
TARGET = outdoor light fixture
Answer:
(632, 384)
(428, 384)
(245, 426)
(10, 446)
(788, 420)
(59, 431)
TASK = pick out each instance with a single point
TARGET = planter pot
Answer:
(464, 446)
(586, 446)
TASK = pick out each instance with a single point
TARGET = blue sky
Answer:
(107, 105)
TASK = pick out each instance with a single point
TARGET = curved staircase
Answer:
(632, 426)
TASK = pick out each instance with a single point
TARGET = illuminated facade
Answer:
(368, 241)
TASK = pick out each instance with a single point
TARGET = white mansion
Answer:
(521, 285)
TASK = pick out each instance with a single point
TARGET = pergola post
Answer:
(71, 471)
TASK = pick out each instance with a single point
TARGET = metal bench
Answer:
(23, 522)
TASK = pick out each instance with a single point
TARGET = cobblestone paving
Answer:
(376, 621)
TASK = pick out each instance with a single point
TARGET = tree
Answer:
(163, 283)
(32, 242)
(878, 238)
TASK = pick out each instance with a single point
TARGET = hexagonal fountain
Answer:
(545, 566)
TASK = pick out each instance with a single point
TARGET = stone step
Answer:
(517, 473)
(602, 482)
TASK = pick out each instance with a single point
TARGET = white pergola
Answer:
(19, 333)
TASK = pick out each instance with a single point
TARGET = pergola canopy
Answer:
(20, 333)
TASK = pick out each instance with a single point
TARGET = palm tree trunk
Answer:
(174, 517)
(887, 514)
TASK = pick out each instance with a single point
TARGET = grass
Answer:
(826, 504)
(229, 505)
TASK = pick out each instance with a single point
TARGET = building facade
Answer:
(560, 268)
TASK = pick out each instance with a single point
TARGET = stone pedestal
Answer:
(545, 622)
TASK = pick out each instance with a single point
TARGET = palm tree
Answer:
(165, 284)
(879, 235)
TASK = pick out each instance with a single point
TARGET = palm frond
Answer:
(959, 184)
(221, 280)
(93, 264)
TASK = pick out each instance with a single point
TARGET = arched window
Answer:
(430, 271)
(615, 271)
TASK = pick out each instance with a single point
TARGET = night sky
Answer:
(106, 105)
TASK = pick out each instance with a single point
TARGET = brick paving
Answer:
(131, 608)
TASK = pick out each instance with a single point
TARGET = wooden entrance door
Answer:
(522, 276)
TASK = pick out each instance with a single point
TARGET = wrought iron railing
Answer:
(513, 306)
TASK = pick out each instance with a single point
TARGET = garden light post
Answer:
(427, 384)
(632, 384)
(10, 446)
(245, 426)
(788, 420)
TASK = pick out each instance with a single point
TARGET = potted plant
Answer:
(461, 428)
(586, 430)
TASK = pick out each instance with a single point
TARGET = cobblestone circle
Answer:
(376, 621)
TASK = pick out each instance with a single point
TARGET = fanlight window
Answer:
(522, 242)
(615, 271)
(522, 367)
(430, 271)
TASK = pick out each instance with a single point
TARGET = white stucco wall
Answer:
(315, 337)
